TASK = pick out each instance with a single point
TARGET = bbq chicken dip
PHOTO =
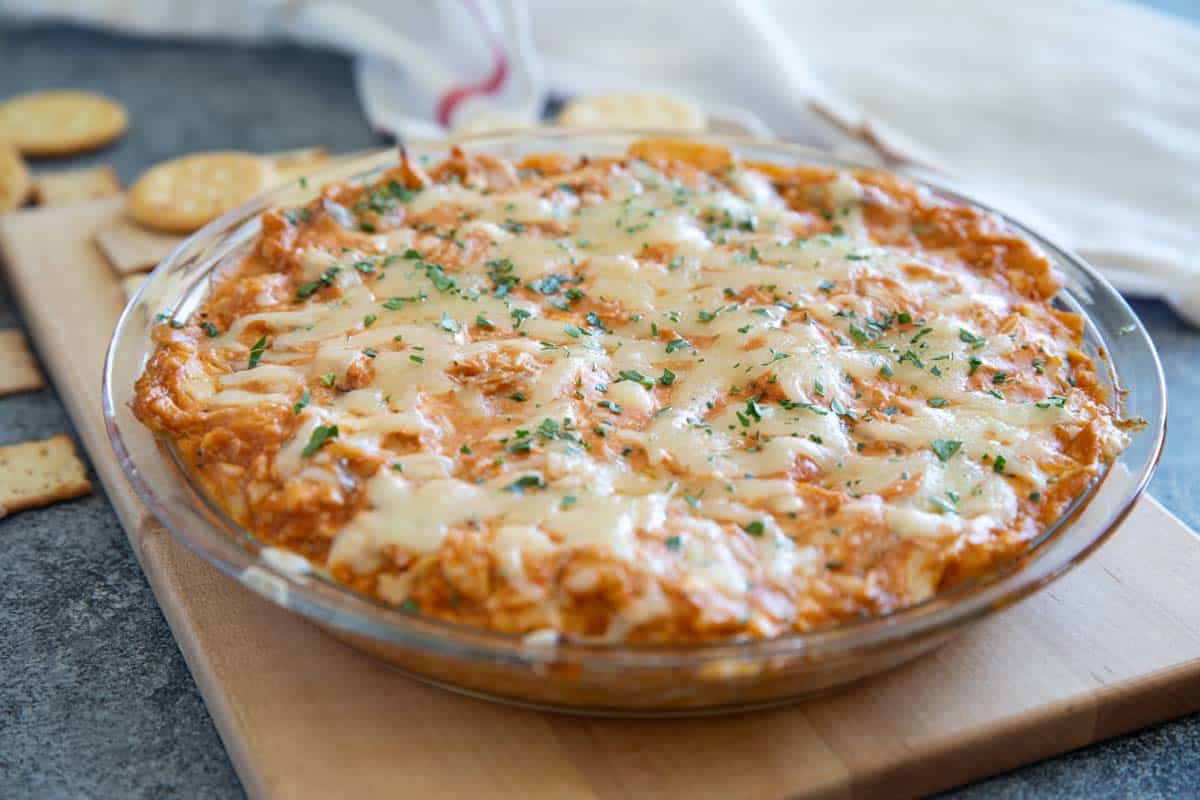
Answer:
(664, 397)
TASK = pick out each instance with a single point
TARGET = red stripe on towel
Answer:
(453, 98)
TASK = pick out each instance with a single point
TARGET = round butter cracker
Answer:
(633, 110)
(186, 193)
(15, 181)
(61, 123)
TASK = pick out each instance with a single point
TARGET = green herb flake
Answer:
(674, 543)
(945, 449)
(636, 377)
(667, 378)
(938, 402)
(305, 396)
(256, 351)
(944, 506)
(209, 328)
(755, 528)
(972, 339)
(525, 482)
(998, 465)
(320, 435)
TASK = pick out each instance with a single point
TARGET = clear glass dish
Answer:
(616, 679)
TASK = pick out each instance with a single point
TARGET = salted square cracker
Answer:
(34, 474)
(18, 370)
(75, 186)
(131, 248)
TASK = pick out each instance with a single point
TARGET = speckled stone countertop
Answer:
(95, 699)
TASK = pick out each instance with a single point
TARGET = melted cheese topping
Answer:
(631, 400)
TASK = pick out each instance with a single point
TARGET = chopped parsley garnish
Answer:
(998, 465)
(836, 407)
(327, 278)
(755, 528)
(673, 543)
(329, 378)
(904, 317)
(1000, 377)
(500, 273)
(1054, 400)
(519, 315)
(574, 331)
(667, 378)
(416, 359)
(972, 339)
(369, 320)
(938, 402)
(521, 445)
(525, 482)
(484, 322)
(440, 279)
(568, 501)
(636, 377)
(610, 405)
(974, 364)
(944, 506)
(518, 397)
(256, 351)
(676, 344)
(386, 197)
(396, 303)
(302, 402)
(945, 449)
(320, 435)
(209, 328)
(1035, 496)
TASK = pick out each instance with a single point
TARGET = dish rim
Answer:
(328, 602)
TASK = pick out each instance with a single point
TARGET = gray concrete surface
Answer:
(95, 699)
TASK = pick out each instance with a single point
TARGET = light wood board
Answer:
(1113, 646)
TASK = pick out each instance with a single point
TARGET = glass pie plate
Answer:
(615, 678)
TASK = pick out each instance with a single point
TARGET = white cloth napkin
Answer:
(1080, 116)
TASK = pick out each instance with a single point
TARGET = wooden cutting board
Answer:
(1113, 646)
